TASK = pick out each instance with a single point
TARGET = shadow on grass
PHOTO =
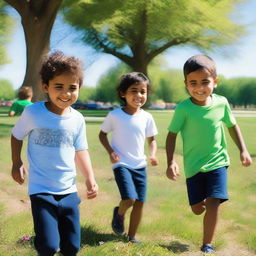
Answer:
(90, 236)
(176, 247)
(5, 130)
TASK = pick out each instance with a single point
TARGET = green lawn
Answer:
(168, 226)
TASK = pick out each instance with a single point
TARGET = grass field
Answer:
(168, 226)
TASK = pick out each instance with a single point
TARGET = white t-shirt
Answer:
(128, 135)
(52, 142)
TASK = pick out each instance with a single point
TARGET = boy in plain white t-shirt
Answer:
(130, 126)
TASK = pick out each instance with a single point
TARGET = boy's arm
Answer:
(172, 171)
(237, 137)
(83, 162)
(11, 113)
(18, 169)
(152, 150)
(114, 157)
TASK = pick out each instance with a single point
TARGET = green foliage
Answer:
(86, 94)
(239, 91)
(6, 24)
(6, 90)
(167, 85)
(106, 88)
(136, 31)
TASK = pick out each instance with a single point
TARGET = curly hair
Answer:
(58, 63)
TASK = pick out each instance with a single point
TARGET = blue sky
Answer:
(242, 62)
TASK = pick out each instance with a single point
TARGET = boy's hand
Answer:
(19, 172)
(153, 161)
(172, 171)
(245, 158)
(114, 157)
(92, 189)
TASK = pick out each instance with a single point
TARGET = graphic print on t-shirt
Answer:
(52, 137)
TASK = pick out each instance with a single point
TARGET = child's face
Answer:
(63, 91)
(135, 96)
(200, 85)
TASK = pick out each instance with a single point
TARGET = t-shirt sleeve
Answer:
(23, 126)
(14, 107)
(151, 127)
(177, 120)
(107, 124)
(81, 139)
(228, 119)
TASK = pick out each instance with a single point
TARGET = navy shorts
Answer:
(208, 184)
(132, 183)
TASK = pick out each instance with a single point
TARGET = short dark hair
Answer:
(58, 63)
(197, 62)
(25, 92)
(129, 79)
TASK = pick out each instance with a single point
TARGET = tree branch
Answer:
(110, 50)
(169, 44)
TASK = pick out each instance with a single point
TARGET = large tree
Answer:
(5, 27)
(37, 18)
(136, 31)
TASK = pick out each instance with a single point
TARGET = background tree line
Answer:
(167, 86)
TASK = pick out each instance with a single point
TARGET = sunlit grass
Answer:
(168, 226)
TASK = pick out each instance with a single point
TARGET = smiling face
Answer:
(136, 97)
(63, 91)
(200, 85)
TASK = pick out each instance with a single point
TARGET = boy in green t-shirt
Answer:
(200, 120)
(25, 94)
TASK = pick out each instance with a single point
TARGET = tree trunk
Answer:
(37, 18)
(141, 66)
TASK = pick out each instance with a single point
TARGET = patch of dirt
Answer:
(15, 198)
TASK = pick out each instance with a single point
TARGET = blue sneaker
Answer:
(117, 222)
(207, 248)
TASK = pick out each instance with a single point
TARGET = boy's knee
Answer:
(129, 202)
(198, 209)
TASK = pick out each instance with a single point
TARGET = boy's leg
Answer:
(135, 218)
(140, 182)
(210, 218)
(124, 205)
(44, 211)
(69, 225)
(124, 181)
(198, 208)
(216, 194)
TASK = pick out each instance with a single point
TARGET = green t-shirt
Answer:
(19, 105)
(202, 132)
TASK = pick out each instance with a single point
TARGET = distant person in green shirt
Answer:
(200, 120)
(25, 94)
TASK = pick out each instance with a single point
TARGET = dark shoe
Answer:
(117, 222)
(133, 240)
(207, 248)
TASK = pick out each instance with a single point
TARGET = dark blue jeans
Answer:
(56, 223)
